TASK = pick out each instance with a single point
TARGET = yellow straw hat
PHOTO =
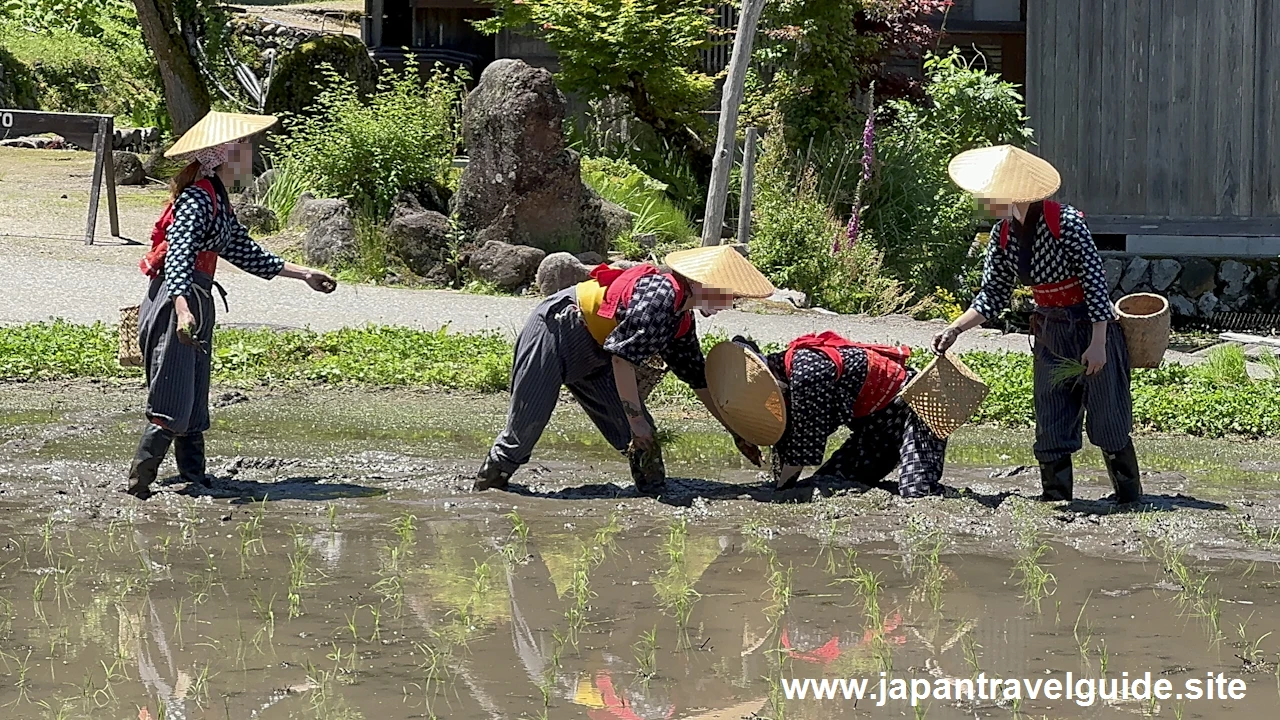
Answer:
(746, 393)
(721, 267)
(1004, 172)
(219, 128)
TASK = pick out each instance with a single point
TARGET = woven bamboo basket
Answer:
(130, 353)
(1145, 317)
(946, 394)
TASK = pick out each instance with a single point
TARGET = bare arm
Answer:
(314, 278)
(624, 378)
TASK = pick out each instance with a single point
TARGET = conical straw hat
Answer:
(218, 128)
(1004, 172)
(746, 393)
(721, 267)
(945, 395)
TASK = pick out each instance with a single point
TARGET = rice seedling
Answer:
(646, 651)
(332, 517)
(266, 616)
(780, 589)
(405, 528)
(1015, 706)
(1033, 579)
(63, 712)
(1152, 707)
(579, 594)
(519, 529)
(1179, 710)
(376, 612)
(200, 687)
(921, 711)
(1104, 657)
(1066, 371)
(22, 669)
(46, 537)
(1255, 536)
(970, 647)
(299, 558)
(1082, 643)
(777, 700)
(1251, 653)
(606, 536)
(867, 586)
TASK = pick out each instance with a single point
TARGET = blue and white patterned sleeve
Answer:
(1087, 264)
(192, 215)
(648, 322)
(999, 278)
(684, 357)
(249, 256)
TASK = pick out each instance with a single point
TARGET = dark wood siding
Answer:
(1163, 109)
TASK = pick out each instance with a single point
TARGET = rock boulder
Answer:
(128, 168)
(1164, 273)
(422, 239)
(1199, 276)
(559, 271)
(522, 186)
(257, 217)
(330, 232)
(510, 267)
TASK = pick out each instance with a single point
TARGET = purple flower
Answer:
(868, 146)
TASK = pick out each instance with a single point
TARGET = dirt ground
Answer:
(340, 567)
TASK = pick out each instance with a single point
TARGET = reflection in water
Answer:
(461, 620)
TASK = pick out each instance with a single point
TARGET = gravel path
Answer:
(87, 284)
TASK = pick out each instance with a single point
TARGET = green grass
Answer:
(1173, 399)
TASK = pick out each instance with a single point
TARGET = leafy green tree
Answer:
(645, 52)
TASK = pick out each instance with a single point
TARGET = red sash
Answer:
(153, 262)
(886, 367)
(620, 284)
(1060, 294)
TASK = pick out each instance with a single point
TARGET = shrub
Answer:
(620, 182)
(597, 135)
(798, 243)
(921, 220)
(98, 67)
(403, 139)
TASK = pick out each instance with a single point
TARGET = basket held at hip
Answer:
(1144, 318)
(945, 395)
(130, 353)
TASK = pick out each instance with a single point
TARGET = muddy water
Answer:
(269, 613)
(340, 568)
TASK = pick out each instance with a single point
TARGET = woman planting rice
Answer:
(1081, 359)
(796, 399)
(177, 316)
(592, 337)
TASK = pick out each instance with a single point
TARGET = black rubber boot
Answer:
(1125, 476)
(1056, 480)
(188, 451)
(648, 470)
(491, 477)
(146, 461)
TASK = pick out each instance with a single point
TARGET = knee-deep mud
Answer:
(341, 568)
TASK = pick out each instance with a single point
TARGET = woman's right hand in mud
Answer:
(642, 435)
(186, 327)
(943, 341)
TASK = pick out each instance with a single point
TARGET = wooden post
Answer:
(100, 144)
(109, 131)
(748, 187)
(726, 139)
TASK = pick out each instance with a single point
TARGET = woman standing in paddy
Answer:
(1047, 245)
(175, 323)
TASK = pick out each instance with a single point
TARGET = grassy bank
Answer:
(1213, 400)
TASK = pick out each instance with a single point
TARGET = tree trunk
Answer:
(185, 92)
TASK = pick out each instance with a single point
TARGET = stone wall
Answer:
(1198, 287)
(272, 38)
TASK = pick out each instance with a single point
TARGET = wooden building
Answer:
(1164, 119)
(442, 30)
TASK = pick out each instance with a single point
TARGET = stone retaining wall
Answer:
(1199, 287)
(272, 38)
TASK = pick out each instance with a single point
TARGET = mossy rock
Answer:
(300, 74)
(17, 87)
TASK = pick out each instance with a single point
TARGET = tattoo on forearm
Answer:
(632, 409)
